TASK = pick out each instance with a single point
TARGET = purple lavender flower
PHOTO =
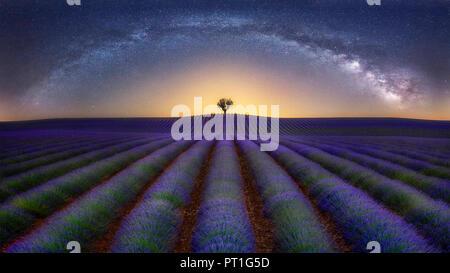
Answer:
(223, 224)
(43, 200)
(296, 227)
(153, 225)
(360, 217)
(89, 217)
(37, 176)
(435, 187)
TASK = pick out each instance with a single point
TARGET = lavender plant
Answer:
(414, 164)
(296, 227)
(409, 153)
(430, 146)
(43, 200)
(18, 153)
(223, 225)
(360, 218)
(37, 176)
(431, 217)
(89, 217)
(154, 224)
(416, 155)
(23, 166)
(42, 142)
(60, 148)
(435, 187)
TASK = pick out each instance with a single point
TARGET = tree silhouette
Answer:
(225, 104)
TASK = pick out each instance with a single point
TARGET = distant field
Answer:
(123, 185)
(303, 126)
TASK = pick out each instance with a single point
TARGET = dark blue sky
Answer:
(337, 58)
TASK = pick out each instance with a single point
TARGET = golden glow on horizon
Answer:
(4, 112)
(245, 83)
(251, 84)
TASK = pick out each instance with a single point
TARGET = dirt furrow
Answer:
(262, 227)
(324, 218)
(104, 244)
(190, 212)
(41, 221)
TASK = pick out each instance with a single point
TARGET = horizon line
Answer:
(168, 117)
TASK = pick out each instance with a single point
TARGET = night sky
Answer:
(125, 58)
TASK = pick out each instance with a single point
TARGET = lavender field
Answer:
(123, 185)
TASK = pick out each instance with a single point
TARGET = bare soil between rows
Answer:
(262, 226)
(104, 244)
(190, 211)
(41, 221)
(325, 219)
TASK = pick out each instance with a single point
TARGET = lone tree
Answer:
(225, 104)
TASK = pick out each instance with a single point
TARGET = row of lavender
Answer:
(13, 185)
(58, 148)
(13, 144)
(435, 187)
(154, 224)
(427, 147)
(285, 205)
(360, 218)
(223, 225)
(431, 217)
(25, 149)
(68, 152)
(421, 166)
(89, 218)
(19, 213)
(296, 227)
(22, 143)
(440, 160)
